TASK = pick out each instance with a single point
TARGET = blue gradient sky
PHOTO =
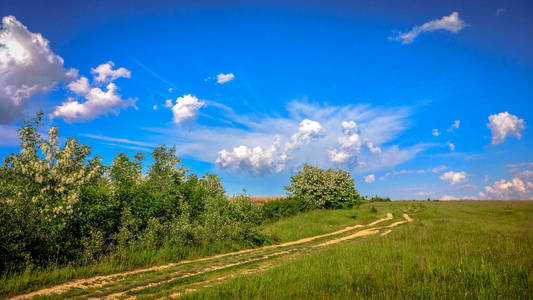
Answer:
(300, 60)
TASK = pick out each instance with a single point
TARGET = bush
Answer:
(318, 188)
(284, 207)
(379, 199)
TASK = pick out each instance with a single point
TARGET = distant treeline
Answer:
(59, 204)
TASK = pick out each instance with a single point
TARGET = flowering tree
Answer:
(323, 188)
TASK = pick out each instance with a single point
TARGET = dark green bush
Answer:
(379, 199)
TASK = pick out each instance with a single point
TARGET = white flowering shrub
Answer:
(318, 188)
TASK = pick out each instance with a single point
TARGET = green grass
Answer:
(452, 250)
(467, 249)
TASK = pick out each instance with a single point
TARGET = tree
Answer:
(323, 188)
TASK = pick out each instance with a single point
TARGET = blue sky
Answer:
(414, 99)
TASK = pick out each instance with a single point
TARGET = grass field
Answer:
(464, 249)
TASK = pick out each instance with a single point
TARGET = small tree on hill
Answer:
(323, 188)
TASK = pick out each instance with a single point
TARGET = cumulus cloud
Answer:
(350, 145)
(450, 23)
(253, 160)
(518, 188)
(105, 73)
(223, 78)
(370, 178)
(27, 67)
(80, 87)
(435, 132)
(453, 177)
(186, 109)
(98, 100)
(273, 159)
(503, 125)
(307, 131)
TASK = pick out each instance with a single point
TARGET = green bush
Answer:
(284, 207)
(319, 188)
(379, 199)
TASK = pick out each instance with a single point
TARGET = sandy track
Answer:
(102, 280)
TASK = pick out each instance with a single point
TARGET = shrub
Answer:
(379, 199)
(319, 188)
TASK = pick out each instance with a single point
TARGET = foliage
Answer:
(59, 204)
(379, 199)
(319, 188)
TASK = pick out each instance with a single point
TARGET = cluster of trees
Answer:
(59, 203)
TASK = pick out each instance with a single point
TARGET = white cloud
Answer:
(379, 125)
(272, 159)
(424, 194)
(168, 103)
(452, 198)
(439, 169)
(154, 107)
(307, 131)
(420, 171)
(514, 189)
(223, 78)
(454, 126)
(186, 109)
(503, 125)
(80, 87)
(520, 165)
(450, 23)
(372, 148)
(27, 67)
(370, 178)
(451, 146)
(253, 160)
(118, 140)
(98, 101)
(435, 132)
(104, 73)
(453, 177)
(350, 145)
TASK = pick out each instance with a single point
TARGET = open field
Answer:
(448, 250)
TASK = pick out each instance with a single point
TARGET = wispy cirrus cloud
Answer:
(451, 23)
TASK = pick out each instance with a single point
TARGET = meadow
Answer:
(457, 249)
(452, 250)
